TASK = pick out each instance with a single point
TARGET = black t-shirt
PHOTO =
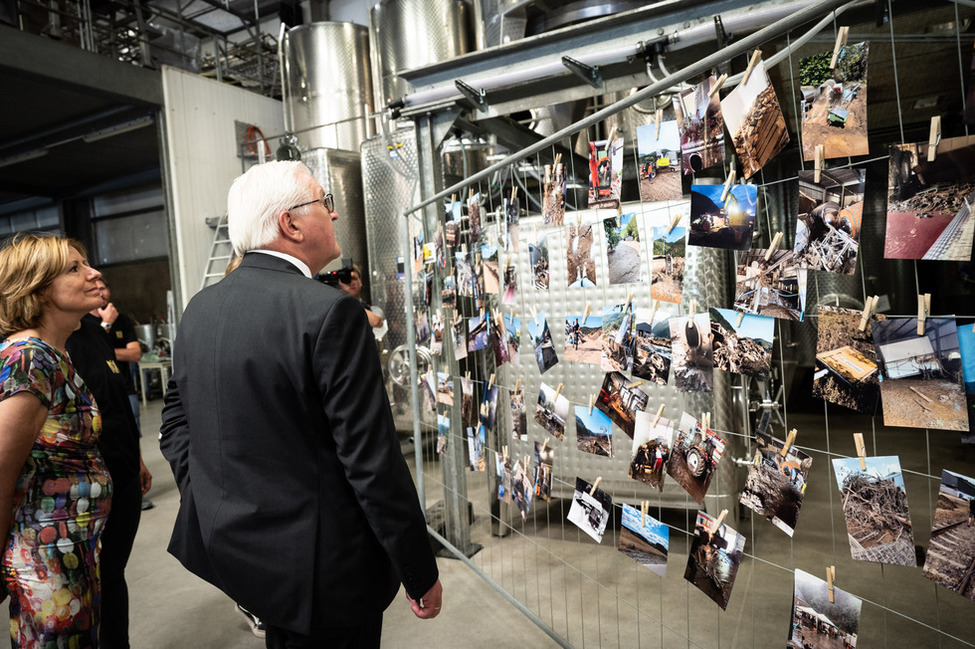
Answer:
(94, 360)
(121, 334)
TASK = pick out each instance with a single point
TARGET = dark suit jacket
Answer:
(296, 500)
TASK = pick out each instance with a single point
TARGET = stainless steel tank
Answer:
(340, 173)
(329, 92)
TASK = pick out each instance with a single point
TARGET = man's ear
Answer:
(289, 227)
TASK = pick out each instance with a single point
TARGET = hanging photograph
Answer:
(742, 343)
(651, 346)
(489, 268)
(436, 342)
(623, 249)
(512, 328)
(448, 294)
(694, 457)
(452, 227)
(651, 449)
(460, 338)
(921, 384)
(512, 216)
(422, 328)
(418, 252)
(541, 337)
(713, 561)
(928, 204)
(776, 287)
(445, 389)
(658, 161)
(776, 483)
(818, 623)
(489, 407)
(950, 559)
(475, 448)
(617, 339)
(544, 460)
(477, 332)
(538, 257)
(443, 432)
(701, 127)
(510, 285)
(725, 224)
(590, 512)
(502, 468)
(621, 402)
(878, 521)
(966, 345)
(580, 256)
(521, 487)
(551, 411)
(497, 340)
(644, 539)
(582, 339)
(691, 360)
(755, 121)
(594, 431)
(466, 279)
(667, 264)
(519, 418)
(553, 197)
(474, 217)
(428, 385)
(834, 103)
(440, 247)
(828, 227)
(846, 360)
(605, 172)
(468, 414)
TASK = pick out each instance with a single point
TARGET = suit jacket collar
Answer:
(297, 263)
(269, 262)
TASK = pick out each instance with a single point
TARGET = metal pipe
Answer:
(767, 33)
(411, 345)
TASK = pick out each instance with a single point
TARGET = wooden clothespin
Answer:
(518, 386)
(491, 381)
(644, 507)
(923, 309)
(558, 391)
(467, 376)
(717, 86)
(741, 316)
(514, 192)
(504, 454)
(727, 186)
(841, 35)
(707, 421)
(634, 385)
(752, 62)
(558, 159)
(861, 450)
(772, 247)
(470, 193)
(585, 314)
(629, 299)
(788, 442)
(692, 309)
(830, 576)
(716, 525)
(653, 309)
(934, 137)
(660, 116)
(545, 443)
(870, 305)
(534, 312)
(453, 198)
(758, 458)
(592, 402)
(818, 173)
(595, 485)
(674, 222)
(660, 411)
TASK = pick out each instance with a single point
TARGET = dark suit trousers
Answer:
(364, 636)
(117, 540)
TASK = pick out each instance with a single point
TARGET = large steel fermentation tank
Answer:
(340, 173)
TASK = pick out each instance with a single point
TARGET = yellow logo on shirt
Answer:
(118, 334)
(112, 366)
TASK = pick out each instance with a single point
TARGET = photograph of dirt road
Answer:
(755, 121)
(846, 360)
(817, 622)
(713, 561)
(776, 484)
(644, 539)
(658, 161)
(580, 258)
(951, 552)
(834, 103)
(828, 225)
(667, 264)
(583, 339)
(623, 249)
(701, 127)
(651, 346)
(742, 343)
(489, 266)
(553, 198)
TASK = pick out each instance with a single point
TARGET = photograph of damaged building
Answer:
(828, 227)
(774, 287)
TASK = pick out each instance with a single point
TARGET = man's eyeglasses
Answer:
(325, 200)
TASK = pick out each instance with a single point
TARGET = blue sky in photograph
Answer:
(654, 531)
(596, 422)
(661, 234)
(760, 327)
(669, 137)
(886, 466)
(747, 195)
(592, 322)
(966, 342)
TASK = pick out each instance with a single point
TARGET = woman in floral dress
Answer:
(55, 491)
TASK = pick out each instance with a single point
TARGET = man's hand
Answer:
(108, 313)
(145, 478)
(429, 605)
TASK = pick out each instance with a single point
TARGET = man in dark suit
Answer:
(296, 500)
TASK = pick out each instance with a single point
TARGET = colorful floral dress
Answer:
(62, 498)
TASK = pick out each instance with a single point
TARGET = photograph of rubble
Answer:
(521, 488)
(742, 343)
(512, 330)
(651, 346)
(544, 460)
(489, 406)
(553, 197)
(658, 161)
(519, 418)
(551, 411)
(776, 483)
(713, 561)
(621, 402)
(502, 468)
(445, 389)
(594, 431)
(580, 257)
(624, 251)
(921, 383)
(878, 521)
(694, 457)
(828, 226)
(723, 224)
(474, 218)
(846, 360)
(477, 332)
(459, 329)
(755, 121)
(590, 512)
(582, 339)
(605, 172)
(775, 287)
(691, 360)
(541, 337)
(651, 449)
(966, 345)
(834, 102)
(950, 558)
(617, 338)
(475, 448)
(818, 623)
(701, 127)
(667, 264)
(468, 414)
(644, 539)
(929, 203)
(443, 432)
(538, 257)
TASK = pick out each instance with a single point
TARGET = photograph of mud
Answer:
(583, 338)
(553, 198)
(951, 552)
(929, 203)
(701, 127)
(878, 522)
(846, 360)
(755, 121)
(541, 336)
(644, 539)
(818, 623)
(544, 461)
(623, 249)
(966, 344)
(834, 103)
(667, 264)
(921, 383)
(651, 346)
(723, 224)
(776, 484)
(658, 161)
(651, 449)
(580, 258)
(691, 361)
(551, 411)
(538, 257)
(590, 512)
(712, 564)
(828, 226)
(512, 331)
(742, 343)
(489, 266)
(605, 172)
(620, 402)
(776, 287)
(617, 339)
(594, 431)
(519, 418)
(694, 457)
